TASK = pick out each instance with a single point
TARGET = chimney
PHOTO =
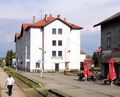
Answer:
(45, 17)
(65, 19)
(58, 16)
(50, 15)
(33, 19)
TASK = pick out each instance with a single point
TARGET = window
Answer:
(59, 42)
(37, 65)
(60, 53)
(59, 31)
(108, 39)
(54, 53)
(66, 66)
(54, 43)
(53, 31)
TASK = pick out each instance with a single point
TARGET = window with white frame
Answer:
(53, 31)
(60, 31)
(59, 42)
(53, 53)
(60, 53)
(53, 42)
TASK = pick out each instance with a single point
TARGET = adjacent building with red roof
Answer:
(110, 42)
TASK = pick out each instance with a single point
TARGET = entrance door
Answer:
(56, 66)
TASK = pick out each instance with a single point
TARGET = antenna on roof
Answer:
(41, 13)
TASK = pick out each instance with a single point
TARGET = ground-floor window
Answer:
(66, 66)
(37, 65)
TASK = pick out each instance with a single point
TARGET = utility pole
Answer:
(65, 60)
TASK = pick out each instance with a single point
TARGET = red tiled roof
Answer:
(81, 52)
(73, 26)
(44, 22)
(25, 26)
(17, 35)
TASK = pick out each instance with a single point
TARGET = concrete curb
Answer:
(59, 94)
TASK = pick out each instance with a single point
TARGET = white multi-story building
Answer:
(51, 44)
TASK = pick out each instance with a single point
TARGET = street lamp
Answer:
(42, 58)
(42, 61)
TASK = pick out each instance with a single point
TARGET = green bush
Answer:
(51, 72)
(74, 71)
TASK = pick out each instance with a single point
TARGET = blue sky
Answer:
(84, 13)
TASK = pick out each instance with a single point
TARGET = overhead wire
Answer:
(91, 49)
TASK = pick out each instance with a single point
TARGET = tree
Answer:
(9, 57)
(0, 61)
(95, 58)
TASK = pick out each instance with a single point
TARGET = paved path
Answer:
(16, 90)
(71, 86)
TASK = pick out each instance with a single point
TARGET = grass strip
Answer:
(46, 93)
(25, 80)
(19, 82)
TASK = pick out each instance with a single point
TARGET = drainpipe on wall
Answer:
(43, 49)
(25, 58)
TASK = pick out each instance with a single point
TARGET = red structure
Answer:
(86, 68)
(111, 74)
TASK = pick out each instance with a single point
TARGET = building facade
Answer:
(110, 42)
(52, 44)
(83, 57)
